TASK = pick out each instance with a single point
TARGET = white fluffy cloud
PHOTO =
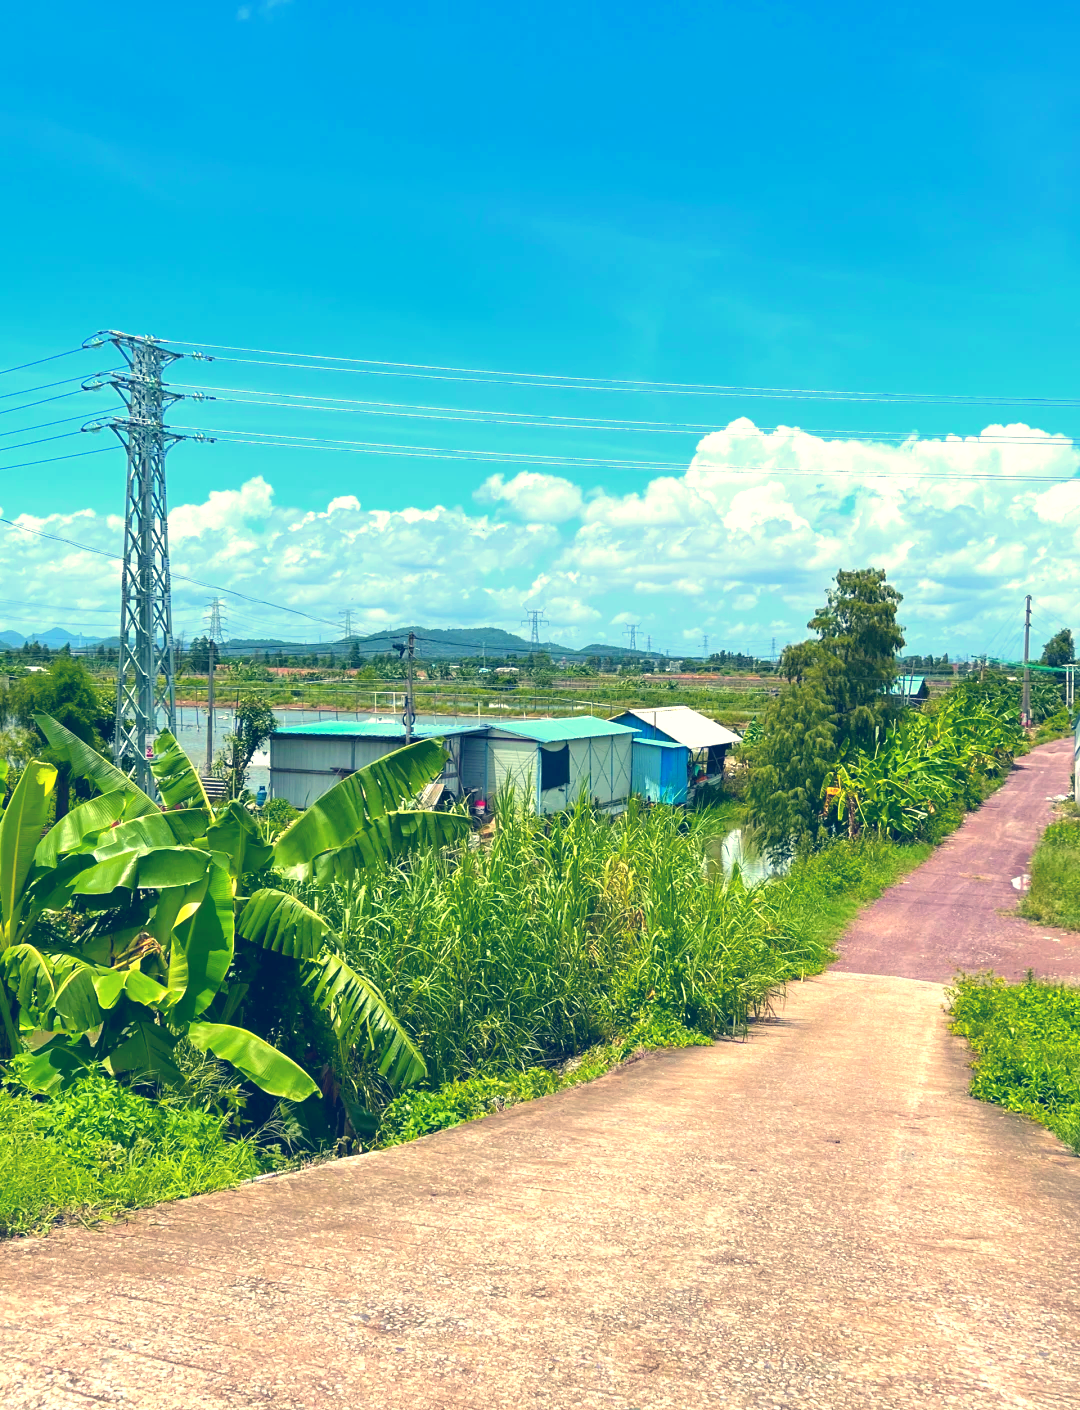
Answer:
(544, 499)
(740, 546)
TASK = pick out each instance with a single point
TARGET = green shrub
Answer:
(1054, 896)
(1026, 1038)
(100, 1148)
(418, 1113)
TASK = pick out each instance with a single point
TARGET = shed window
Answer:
(554, 767)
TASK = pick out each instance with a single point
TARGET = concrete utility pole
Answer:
(209, 706)
(146, 644)
(408, 716)
(1025, 703)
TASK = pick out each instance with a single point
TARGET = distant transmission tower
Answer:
(534, 619)
(631, 630)
(705, 646)
(648, 643)
(146, 644)
(215, 620)
(346, 622)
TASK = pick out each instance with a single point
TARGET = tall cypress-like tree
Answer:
(836, 699)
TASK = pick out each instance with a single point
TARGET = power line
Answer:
(177, 577)
(523, 458)
(40, 441)
(43, 387)
(569, 381)
(60, 421)
(38, 361)
(42, 401)
(476, 416)
(75, 455)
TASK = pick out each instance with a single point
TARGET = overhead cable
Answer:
(39, 360)
(529, 459)
(320, 362)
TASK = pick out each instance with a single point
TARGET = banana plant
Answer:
(162, 894)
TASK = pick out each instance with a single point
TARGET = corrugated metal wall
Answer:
(513, 763)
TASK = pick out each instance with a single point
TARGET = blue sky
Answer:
(779, 195)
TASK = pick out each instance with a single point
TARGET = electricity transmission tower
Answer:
(146, 642)
(346, 622)
(705, 647)
(631, 630)
(534, 619)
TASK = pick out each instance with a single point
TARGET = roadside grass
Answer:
(98, 1149)
(1054, 895)
(1026, 1040)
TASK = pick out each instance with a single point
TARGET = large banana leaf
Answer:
(148, 1052)
(356, 1011)
(350, 806)
(265, 1066)
(20, 833)
(53, 983)
(202, 945)
(177, 781)
(80, 825)
(392, 835)
(280, 922)
(87, 763)
(236, 833)
(143, 835)
(168, 866)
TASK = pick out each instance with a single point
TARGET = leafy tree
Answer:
(253, 724)
(199, 654)
(859, 639)
(789, 765)
(65, 692)
(1059, 649)
(354, 654)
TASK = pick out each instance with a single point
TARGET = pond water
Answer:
(734, 849)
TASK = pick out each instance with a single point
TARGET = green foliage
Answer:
(927, 762)
(789, 765)
(253, 724)
(67, 693)
(419, 1113)
(98, 1148)
(1026, 1039)
(559, 934)
(152, 960)
(858, 642)
(1059, 649)
(1054, 896)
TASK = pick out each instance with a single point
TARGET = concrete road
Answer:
(819, 1216)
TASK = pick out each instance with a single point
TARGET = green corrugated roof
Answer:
(379, 729)
(551, 731)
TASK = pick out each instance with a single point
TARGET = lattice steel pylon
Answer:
(146, 701)
(534, 619)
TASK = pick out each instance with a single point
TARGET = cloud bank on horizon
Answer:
(741, 546)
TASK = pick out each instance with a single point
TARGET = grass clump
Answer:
(418, 1113)
(1054, 897)
(1026, 1039)
(99, 1148)
(563, 933)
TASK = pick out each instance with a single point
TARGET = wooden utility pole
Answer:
(1025, 703)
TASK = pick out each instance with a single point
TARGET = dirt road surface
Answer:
(955, 911)
(819, 1216)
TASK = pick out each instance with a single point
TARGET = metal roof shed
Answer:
(680, 725)
(706, 742)
(307, 760)
(661, 769)
(549, 762)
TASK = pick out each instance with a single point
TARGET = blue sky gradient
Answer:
(781, 196)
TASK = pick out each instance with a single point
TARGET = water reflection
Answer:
(734, 849)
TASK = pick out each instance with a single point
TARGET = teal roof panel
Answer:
(553, 731)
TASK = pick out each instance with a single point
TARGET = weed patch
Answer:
(1054, 897)
(1026, 1040)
